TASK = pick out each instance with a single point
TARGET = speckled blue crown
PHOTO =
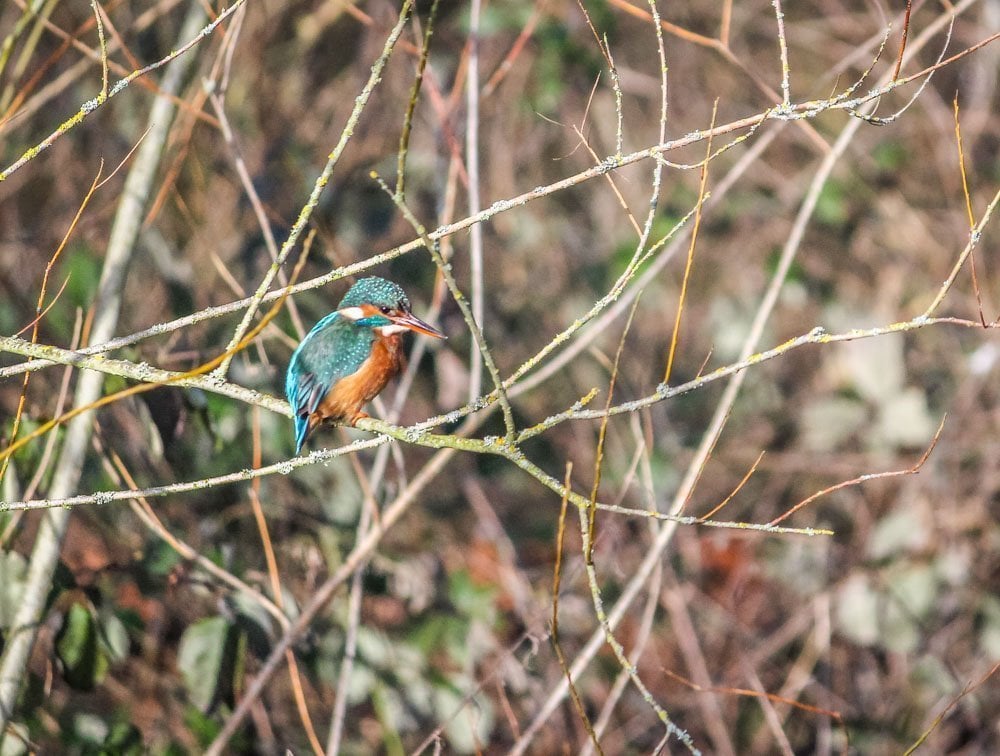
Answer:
(376, 291)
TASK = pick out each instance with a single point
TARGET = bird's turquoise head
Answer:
(376, 303)
(376, 291)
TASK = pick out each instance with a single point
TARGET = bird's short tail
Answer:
(301, 431)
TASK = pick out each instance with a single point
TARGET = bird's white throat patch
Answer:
(352, 313)
(388, 330)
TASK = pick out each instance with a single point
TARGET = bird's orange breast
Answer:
(344, 400)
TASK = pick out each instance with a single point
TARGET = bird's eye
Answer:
(385, 309)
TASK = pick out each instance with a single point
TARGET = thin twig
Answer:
(42, 468)
(675, 336)
(91, 105)
(602, 436)
(913, 470)
(556, 581)
(902, 41)
(974, 238)
(968, 209)
(104, 51)
(753, 468)
(239, 164)
(971, 686)
(654, 555)
(779, 16)
(325, 592)
(404, 136)
(477, 294)
(655, 584)
(515, 50)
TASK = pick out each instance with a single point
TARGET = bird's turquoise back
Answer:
(335, 348)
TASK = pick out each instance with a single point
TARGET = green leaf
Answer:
(832, 207)
(438, 632)
(83, 270)
(84, 663)
(204, 728)
(113, 636)
(472, 599)
(383, 700)
(124, 740)
(159, 559)
(205, 660)
(254, 621)
(890, 156)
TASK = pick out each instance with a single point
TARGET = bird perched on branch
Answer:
(349, 356)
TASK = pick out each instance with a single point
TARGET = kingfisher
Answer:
(349, 356)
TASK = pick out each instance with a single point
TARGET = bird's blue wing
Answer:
(329, 352)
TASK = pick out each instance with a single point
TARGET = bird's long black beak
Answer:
(411, 321)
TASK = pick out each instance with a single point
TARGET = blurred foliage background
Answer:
(859, 640)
